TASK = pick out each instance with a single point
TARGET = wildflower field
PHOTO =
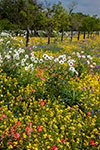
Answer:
(49, 95)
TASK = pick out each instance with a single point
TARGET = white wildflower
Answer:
(26, 56)
(23, 60)
(88, 56)
(10, 51)
(8, 42)
(78, 53)
(64, 59)
(22, 64)
(91, 66)
(26, 68)
(41, 61)
(76, 72)
(7, 56)
(70, 64)
(69, 57)
(61, 62)
(32, 58)
(1, 95)
(45, 55)
(27, 64)
(83, 56)
(94, 63)
(88, 61)
(82, 52)
(72, 69)
(17, 64)
(31, 65)
(79, 56)
(73, 53)
(56, 60)
(51, 57)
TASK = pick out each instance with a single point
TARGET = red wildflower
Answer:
(29, 123)
(88, 113)
(29, 130)
(54, 147)
(2, 136)
(38, 142)
(12, 130)
(18, 123)
(10, 142)
(3, 116)
(63, 140)
(42, 103)
(92, 143)
(33, 90)
(16, 136)
(15, 126)
(39, 128)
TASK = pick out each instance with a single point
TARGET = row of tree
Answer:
(32, 15)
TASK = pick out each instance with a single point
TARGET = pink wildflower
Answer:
(3, 116)
(10, 142)
(39, 128)
(54, 148)
(42, 103)
(88, 113)
(33, 90)
(18, 123)
(2, 136)
(29, 123)
(16, 136)
(63, 140)
(92, 143)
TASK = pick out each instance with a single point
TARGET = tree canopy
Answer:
(31, 15)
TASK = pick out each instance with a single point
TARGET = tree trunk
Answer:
(71, 35)
(49, 34)
(97, 32)
(62, 35)
(16, 33)
(78, 35)
(27, 36)
(88, 35)
(84, 35)
(91, 34)
(32, 33)
(48, 39)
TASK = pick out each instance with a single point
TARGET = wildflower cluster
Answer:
(49, 100)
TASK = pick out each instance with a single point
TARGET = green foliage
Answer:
(89, 24)
(5, 24)
(17, 15)
(60, 17)
(76, 21)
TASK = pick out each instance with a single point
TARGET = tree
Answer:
(28, 13)
(60, 18)
(71, 7)
(9, 20)
(48, 11)
(76, 22)
(89, 24)
(97, 26)
(24, 12)
(5, 24)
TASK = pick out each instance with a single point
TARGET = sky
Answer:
(91, 7)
